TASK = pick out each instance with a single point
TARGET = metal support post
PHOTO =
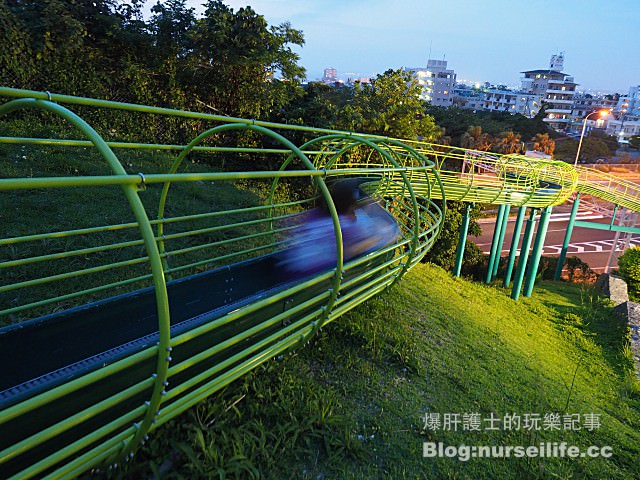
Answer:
(462, 242)
(517, 229)
(616, 238)
(503, 230)
(567, 238)
(612, 253)
(524, 254)
(537, 251)
(494, 243)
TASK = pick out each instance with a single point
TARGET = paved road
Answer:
(592, 246)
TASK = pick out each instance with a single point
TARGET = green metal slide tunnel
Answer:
(145, 276)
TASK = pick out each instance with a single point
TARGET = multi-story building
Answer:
(504, 100)
(584, 104)
(330, 76)
(437, 82)
(623, 129)
(627, 116)
(468, 97)
(629, 105)
(556, 88)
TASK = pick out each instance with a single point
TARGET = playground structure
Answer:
(113, 329)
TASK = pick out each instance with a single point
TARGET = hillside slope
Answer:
(361, 399)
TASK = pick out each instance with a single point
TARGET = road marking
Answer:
(583, 247)
(564, 217)
(555, 217)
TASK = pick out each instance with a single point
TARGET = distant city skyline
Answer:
(482, 41)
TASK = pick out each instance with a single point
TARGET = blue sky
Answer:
(491, 40)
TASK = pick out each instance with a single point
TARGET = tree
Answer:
(457, 121)
(390, 105)
(592, 149)
(443, 252)
(318, 105)
(610, 141)
(235, 58)
(543, 143)
(475, 139)
(16, 65)
(454, 120)
(509, 142)
(171, 23)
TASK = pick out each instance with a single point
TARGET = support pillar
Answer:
(612, 253)
(494, 243)
(567, 238)
(524, 254)
(537, 252)
(503, 231)
(517, 229)
(616, 237)
(462, 242)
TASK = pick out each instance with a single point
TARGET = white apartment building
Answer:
(502, 100)
(584, 104)
(330, 76)
(623, 129)
(468, 97)
(437, 82)
(627, 112)
(556, 88)
(629, 105)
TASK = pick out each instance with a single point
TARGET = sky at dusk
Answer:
(492, 40)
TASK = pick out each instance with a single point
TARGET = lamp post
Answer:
(584, 126)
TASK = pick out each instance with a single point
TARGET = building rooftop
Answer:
(552, 72)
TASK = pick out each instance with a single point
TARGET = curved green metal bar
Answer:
(358, 141)
(295, 152)
(131, 193)
(203, 136)
(347, 143)
(421, 158)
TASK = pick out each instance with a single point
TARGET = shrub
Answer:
(579, 271)
(629, 264)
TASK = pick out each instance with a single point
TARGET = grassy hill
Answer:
(354, 403)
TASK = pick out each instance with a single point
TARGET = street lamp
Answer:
(602, 113)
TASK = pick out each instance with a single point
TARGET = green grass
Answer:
(32, 212)
(351, 404)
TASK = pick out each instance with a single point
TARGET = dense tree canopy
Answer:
(509, 142)
(543, 143)
(592, 149)
(230, 62)
(475, 139)
(390, 105)
(457, 122)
